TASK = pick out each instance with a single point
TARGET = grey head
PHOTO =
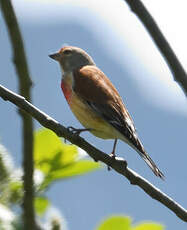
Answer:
(71, 58)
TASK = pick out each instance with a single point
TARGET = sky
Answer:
(122, 48)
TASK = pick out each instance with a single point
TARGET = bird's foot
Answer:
(77, 131)
(113, 155)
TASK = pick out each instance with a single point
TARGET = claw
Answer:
(113, 156)
(77, 131)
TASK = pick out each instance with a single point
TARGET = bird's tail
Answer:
(140, 149)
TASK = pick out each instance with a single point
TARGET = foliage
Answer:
(57, 160)
(53, 160)
(124, 223)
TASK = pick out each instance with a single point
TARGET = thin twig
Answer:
(118, 165)
(19, 59)
(174, 64)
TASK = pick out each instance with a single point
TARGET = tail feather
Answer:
(151, 164)
(140, 149)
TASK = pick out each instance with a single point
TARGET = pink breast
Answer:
(66, 90)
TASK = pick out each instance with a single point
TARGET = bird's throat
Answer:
(67, 90)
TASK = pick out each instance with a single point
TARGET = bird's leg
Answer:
(113, 155)
(114, 149)
(77, 131)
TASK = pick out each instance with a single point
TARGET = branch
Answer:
(174, 64)
(25, 83)
(118, 164)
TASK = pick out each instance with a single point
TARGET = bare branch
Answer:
(21, 66)
(174, 64)
(118, 164)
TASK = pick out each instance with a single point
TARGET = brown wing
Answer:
(97, 91)
(92, 85)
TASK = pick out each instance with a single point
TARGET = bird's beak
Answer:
(55, 56)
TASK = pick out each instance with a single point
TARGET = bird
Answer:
(96, 103)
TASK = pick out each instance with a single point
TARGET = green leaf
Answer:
(50, 153)
(16, 189)
(41, 204)
(116, 223)
(58, 160)
(148, 226)
(75, 169)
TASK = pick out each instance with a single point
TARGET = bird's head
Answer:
(71, 58)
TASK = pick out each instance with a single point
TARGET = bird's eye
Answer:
(67, 52)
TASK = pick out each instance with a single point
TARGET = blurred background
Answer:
(121, 47)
